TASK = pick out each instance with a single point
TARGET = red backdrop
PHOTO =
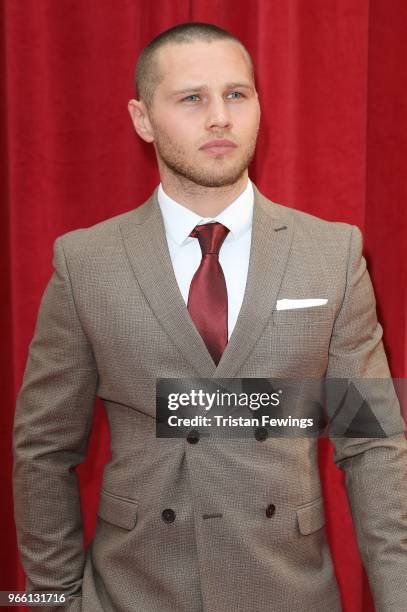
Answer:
(331, 76)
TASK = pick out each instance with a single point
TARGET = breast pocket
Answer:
(298, 341)
(304, 316)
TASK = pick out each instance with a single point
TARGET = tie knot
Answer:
(210, 236)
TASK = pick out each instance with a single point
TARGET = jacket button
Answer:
(193, 436)
(261, 434)
(168, 515)
(270, 510)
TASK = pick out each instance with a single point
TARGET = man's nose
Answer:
(218, 113)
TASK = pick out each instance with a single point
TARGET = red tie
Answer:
(208, 298)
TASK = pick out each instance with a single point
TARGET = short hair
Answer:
(148, 75)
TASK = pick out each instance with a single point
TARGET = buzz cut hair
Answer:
(148, 74)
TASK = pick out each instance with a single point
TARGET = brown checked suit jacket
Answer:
(111, 321)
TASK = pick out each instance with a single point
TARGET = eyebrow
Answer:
(199, 87)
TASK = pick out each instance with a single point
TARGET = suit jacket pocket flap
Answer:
(311, 517)
(118, 510)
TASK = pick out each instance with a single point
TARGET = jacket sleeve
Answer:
(374, 458)
(52, 421)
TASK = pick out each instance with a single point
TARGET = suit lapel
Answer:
(147, 249)
(272, 232)
(146, 246)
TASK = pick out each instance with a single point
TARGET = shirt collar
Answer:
(179, 221)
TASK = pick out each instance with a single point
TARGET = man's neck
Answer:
(204, 201)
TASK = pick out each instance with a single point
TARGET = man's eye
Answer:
(191, 96)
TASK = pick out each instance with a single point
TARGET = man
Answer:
(192, 284)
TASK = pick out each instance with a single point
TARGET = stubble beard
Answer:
(214, 173)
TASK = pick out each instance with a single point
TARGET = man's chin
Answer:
(206, 176)
(214, 184)
(217, 179)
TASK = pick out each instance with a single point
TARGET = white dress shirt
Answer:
(186, 254)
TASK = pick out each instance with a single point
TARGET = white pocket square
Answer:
(287, 304)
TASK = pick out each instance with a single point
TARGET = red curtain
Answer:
(331, 76)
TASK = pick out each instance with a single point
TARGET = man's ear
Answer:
(141, 122)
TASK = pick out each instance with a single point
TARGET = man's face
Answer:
(218, 101)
